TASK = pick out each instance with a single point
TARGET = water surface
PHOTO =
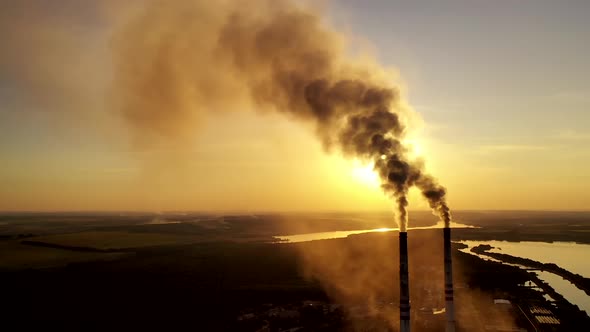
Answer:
(573, 257)
(341, 234)
(555, 252)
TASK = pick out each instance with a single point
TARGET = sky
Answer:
(501, 89)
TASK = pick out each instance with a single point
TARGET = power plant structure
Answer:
(404, 286)
(449, 302)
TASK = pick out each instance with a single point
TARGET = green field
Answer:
(15, 256)
(109, 240)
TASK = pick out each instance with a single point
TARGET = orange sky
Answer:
(265, 163)
(509, 141)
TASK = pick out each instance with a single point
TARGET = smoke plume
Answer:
(176, 60)
(173, 61)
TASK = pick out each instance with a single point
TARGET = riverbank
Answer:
(579, 281)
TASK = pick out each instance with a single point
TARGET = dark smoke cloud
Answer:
(175, 60)
(272, 55)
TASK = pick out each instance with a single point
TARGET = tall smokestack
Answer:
(449, 302)
(404, 284)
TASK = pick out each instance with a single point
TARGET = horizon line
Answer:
(229, 212)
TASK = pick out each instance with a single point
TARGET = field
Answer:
(114, 240)
(16, 256)
(199, 272)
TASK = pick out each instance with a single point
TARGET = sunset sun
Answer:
(365, 174)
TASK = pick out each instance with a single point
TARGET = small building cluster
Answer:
(302, 316)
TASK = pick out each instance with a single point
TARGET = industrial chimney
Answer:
(449, 303)
(404, 284)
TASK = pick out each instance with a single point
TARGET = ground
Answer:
(218, 273)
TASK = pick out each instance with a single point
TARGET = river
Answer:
(341, 234)
(570, 256)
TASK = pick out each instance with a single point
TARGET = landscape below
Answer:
(179, 271)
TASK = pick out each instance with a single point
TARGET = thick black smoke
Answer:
(176, 59)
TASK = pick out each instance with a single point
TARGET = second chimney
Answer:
(449, 302)
(404, 284)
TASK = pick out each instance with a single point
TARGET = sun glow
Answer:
(384, 229)
(365, 174)
(415, 147)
